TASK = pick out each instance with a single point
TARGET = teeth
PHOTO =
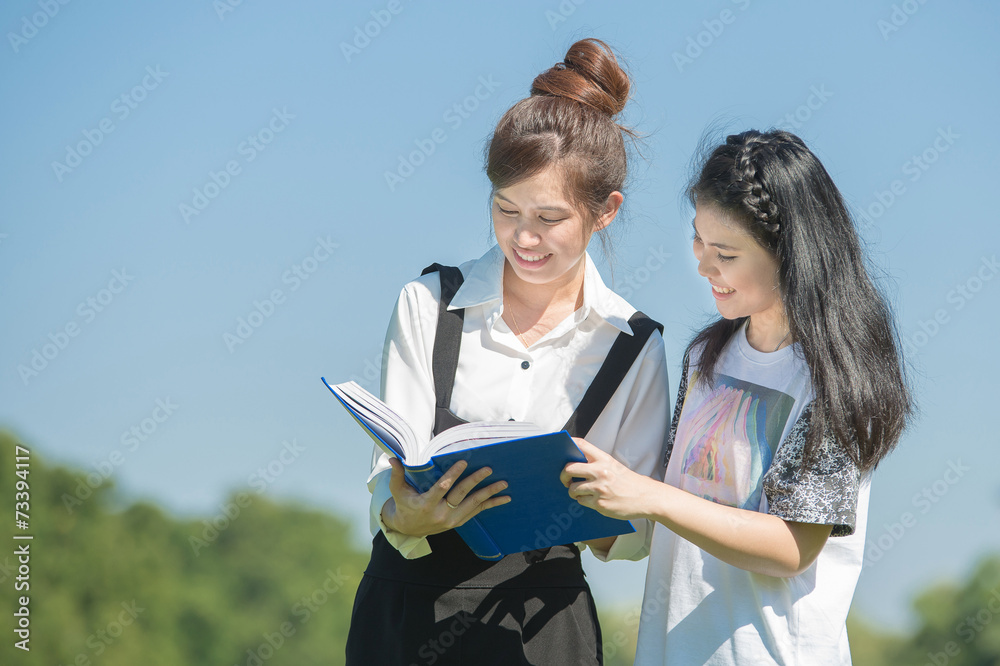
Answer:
(722, 290)
(532, 259)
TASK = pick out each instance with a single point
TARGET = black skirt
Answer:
(452, 608)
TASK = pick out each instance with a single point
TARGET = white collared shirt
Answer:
(499, 379)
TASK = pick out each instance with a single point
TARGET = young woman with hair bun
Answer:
(785, 406)
(528, 332)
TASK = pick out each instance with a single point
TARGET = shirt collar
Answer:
(483, 285)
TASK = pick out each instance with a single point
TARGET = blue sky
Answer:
(173, 169)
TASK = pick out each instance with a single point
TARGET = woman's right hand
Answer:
(421, 514)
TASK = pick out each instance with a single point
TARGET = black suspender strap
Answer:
(447, 342)
(620, 358)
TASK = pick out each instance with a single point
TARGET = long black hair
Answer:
(773, 186)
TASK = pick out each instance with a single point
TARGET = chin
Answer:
(533, 277)
(729, 313)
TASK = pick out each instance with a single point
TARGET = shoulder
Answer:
(427, 287)
(639, 332)
(652, 353)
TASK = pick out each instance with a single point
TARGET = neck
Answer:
(539, 307)
(537, 299)
(768, 331)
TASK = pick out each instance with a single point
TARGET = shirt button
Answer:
(525, 365)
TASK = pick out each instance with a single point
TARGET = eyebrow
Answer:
(556, 209)
(721, 246)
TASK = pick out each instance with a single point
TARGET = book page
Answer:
(396, 437)
(471, 435)
(380, 421)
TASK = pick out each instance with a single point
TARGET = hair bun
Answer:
(589, 74)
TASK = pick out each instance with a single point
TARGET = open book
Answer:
(540, 514)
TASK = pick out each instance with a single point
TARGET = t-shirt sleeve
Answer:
(824, 491)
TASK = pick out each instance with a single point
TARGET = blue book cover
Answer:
(540, 514)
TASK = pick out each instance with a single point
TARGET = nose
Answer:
(525, 235)
(705, 268)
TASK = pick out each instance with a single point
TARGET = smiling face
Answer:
(543, 235)
(743, 275)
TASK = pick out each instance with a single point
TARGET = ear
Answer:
(611, 207)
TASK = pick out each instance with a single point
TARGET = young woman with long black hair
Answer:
(785, 405)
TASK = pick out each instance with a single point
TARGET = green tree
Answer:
(268, 584)
(869, 646)
(959, 625)
(259, 583)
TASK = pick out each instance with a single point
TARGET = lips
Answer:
(530, 260)
(722, 293)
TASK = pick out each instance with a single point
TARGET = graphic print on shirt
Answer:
(727, 438)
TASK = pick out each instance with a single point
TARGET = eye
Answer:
(548, 221)
(723, 258)
(508, 213)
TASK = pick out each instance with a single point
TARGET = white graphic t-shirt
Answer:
(739, 441)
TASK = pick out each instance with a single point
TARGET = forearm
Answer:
(756, 542)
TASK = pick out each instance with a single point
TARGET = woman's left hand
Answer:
(604, 484)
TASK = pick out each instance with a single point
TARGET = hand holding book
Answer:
(539, 512)
(446, 505)
(606, 485)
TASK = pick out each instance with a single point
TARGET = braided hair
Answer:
(772, 186)
(748, 188)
